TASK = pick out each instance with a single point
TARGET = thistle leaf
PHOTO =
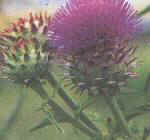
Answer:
(52, 119)
(138, 111)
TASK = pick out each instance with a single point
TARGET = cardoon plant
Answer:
(93, 38)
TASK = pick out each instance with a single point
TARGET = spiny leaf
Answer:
(134, 115)
(52, 119)
(138, 111)
(44, 123)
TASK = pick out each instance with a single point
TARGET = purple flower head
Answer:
(89, 25)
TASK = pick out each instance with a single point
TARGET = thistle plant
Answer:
(24, 54)
(95, 43)
(92, 42)
(26, 60)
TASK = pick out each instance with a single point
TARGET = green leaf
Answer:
(52, 119)
(144, 11)
(138, 111)
(42, 124)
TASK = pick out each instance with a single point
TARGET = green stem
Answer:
(62, 93)
(36, 86)
(113, 105)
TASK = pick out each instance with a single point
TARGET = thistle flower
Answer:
(94, 37)
(97, 29)
(24, 50)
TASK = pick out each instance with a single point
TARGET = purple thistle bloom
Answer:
(90, 25)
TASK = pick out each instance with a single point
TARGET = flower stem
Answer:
(37, 87)
(62, 93)
(113, 105)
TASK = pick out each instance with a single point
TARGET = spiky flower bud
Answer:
(24, 49)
